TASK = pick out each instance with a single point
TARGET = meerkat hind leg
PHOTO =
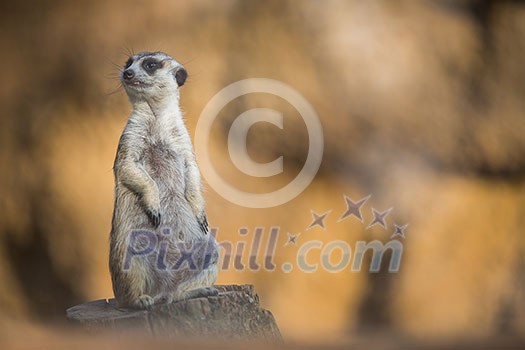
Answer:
(198, 287)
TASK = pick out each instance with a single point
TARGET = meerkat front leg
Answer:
(133, 175)
(193, 191)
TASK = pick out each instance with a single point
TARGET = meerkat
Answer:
(158, 191)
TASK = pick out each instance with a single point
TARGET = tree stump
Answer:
(235, 314)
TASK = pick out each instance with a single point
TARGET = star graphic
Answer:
(353, 208)
(379, 218)
(399, 231)
(292, 239)
(318, 219)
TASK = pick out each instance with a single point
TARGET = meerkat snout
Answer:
(128, 74)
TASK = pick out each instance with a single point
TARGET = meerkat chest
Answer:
(164, 161)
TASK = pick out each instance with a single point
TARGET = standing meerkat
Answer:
(159, 213)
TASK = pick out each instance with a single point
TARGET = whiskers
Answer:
(193, 75)
(128, 51)
(114, 91)
(115, 76)
(117, 69)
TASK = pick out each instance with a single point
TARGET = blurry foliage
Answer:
(422, 105)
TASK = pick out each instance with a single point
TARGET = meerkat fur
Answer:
(158, 189)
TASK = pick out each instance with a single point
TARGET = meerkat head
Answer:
(152, 76)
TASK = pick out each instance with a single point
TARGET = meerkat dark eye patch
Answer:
(150, 65)
(180, 76)
(128, 63)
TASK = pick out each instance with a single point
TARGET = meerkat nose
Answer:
(128, 74)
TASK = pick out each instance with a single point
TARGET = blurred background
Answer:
(422, 105)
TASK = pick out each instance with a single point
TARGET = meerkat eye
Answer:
(150, 65)
(128, 63)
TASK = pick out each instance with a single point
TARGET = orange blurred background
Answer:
(422, 105)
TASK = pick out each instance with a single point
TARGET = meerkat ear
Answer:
(180, 76)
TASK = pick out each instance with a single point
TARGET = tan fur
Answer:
(157, 187)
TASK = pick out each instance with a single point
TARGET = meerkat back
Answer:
(160, 247)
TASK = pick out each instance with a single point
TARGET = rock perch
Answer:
(235, 314)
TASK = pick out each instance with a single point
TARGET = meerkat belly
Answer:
(165, 165)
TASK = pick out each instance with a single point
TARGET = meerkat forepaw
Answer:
(144, 302)
(154, 217)
(202, 293)
(163, 299)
